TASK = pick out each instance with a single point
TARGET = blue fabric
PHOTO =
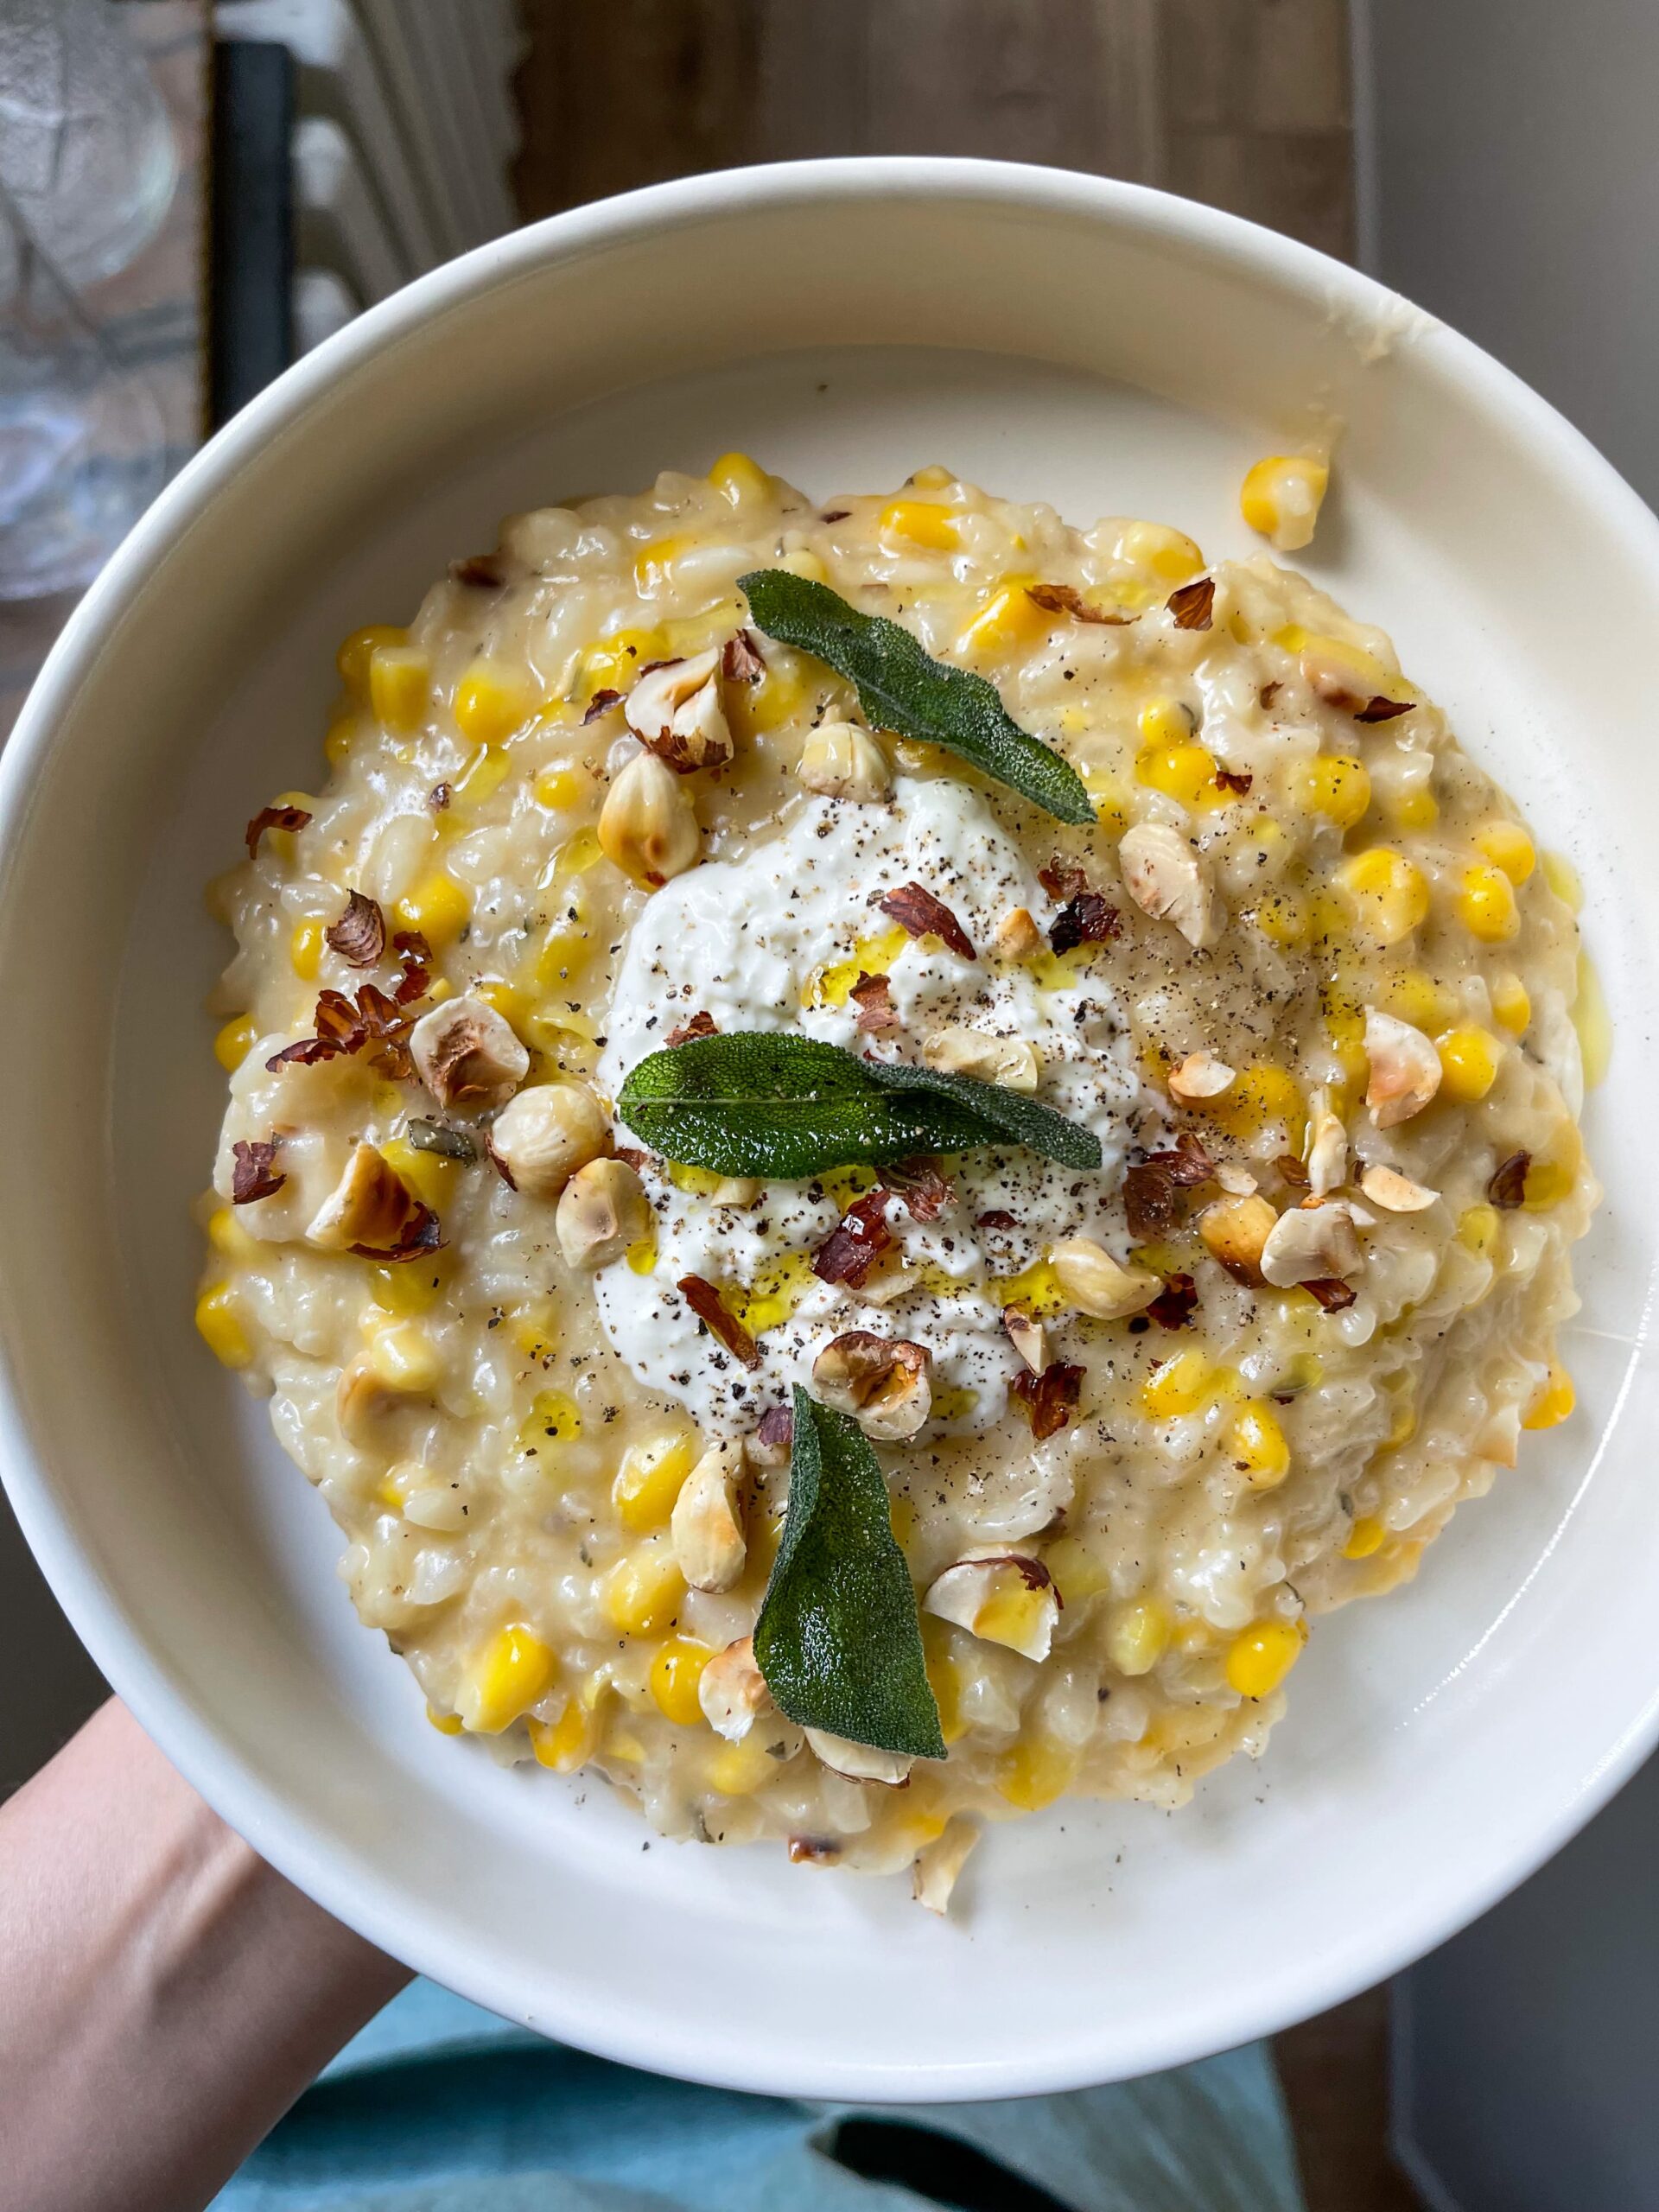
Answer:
(437, 2107)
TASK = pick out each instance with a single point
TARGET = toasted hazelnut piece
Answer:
(959, 1051)
(733, 1691)
(1098, 1284)
(1201, 1075)
(1327, 1148)
(1235, 1230)
(736, 1191)
(603, 1213)
(860, 1761)
(1028, 1337)
(709, 1546)
(1311, 1243)
(365, 1394)
(1168, 880)
(370, 1204)
(675, 710)
(841, 761)
(1405, 1069)
(1017, 936)
(933, 1872)
(540, 1138)
(1395, 1192)
(647, 825)
(884, 1382)
(1236, 1181)
(465, 1054)
(1002, 1598)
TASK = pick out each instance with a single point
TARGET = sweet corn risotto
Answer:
(1118, 1116)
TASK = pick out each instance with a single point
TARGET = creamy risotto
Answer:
(1301, 992)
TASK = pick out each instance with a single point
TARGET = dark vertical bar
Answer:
(252, 223)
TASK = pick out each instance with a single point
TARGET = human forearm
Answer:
(164, 1995)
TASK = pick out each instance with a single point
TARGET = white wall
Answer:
(1509, 183)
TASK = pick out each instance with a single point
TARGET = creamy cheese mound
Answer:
(770, 942)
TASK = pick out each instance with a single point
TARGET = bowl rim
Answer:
(233, 1785)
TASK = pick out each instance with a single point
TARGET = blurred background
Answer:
(192, 195)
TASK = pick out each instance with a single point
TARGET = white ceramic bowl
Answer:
(1052, 336)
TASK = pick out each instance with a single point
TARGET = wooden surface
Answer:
(1243, 103)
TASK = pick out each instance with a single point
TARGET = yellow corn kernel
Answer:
(1257, 1444)
(610, 664)
(644, 1589)
(1388, 892)
(1283, 916)
(780, 694)
(1010, 617)
(569, 1742)
(1414, 810)
(1165, 722)
(1262, 1096)
(1549, 1181)
(405, 1358)
(512, 1672)
(1506, 846)
(739, 1770)
(357, 652)
(1413, 996)
(1182, 773)
(410, 1286)
(438, 907)
(226, 1235)
(1169, 555)
(1137, 1636)
(1469, 1059)
(508, 1001)
(1367, 1535)
(1280, 499)
(1555, 1401)
(553, 1419)
(1036, 1288)
(446, 1724)
(1402, 1424)
(235, 1041)
(675, 1673)
(1177, 1385)
(737, 478)
(934, 478)
(1485, 904)
(1336, 786)
(1262, 1654)
(400, 686)
(339, 739)
(429, 1174)
(1035, 1773)
(305, 950)
(218, 1319)
(1511, 1003)
(1010, 1609)
(560, 788)
(483, 776)
(920, 521)
(651, 1478)
(1478, 1228)
(493, 699)
(1078, 1568)
(1563, 878)
(653, 562)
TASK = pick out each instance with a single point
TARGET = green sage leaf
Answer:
(903, 688)
(785, 1107)
(839, 1640)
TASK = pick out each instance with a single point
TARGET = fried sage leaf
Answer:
(838, 1640)
(786, 1106)
(903, 688)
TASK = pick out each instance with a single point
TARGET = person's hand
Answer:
(164, 1995)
